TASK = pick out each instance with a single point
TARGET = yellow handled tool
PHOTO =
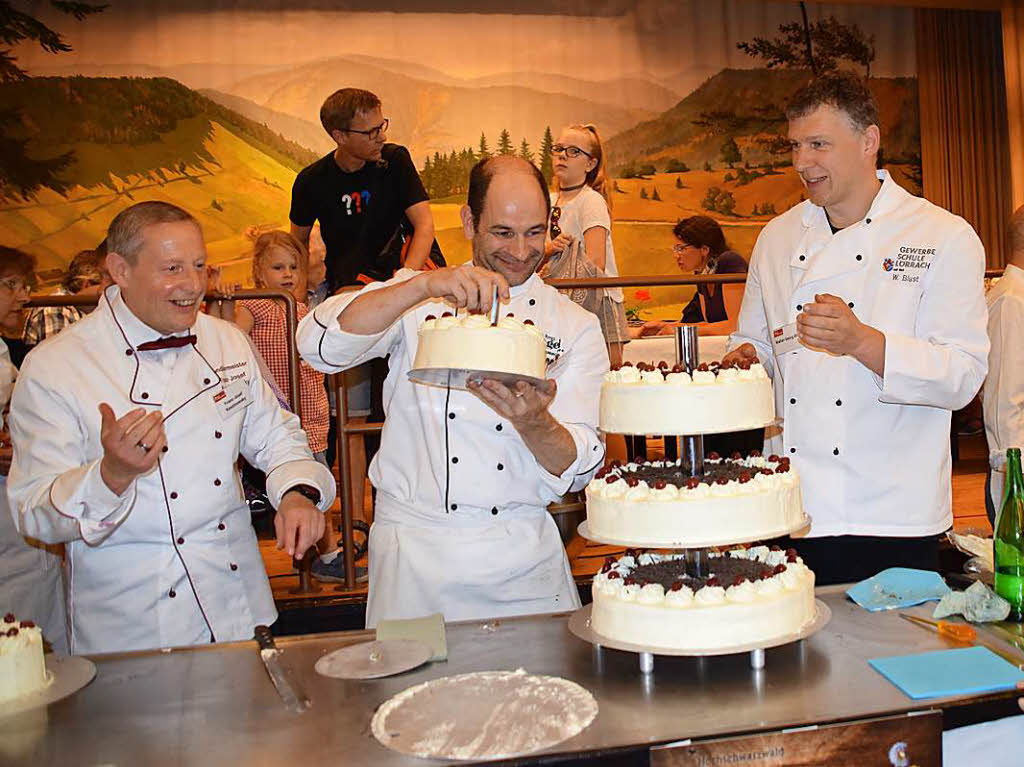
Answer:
(958, 632)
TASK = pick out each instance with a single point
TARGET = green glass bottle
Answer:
(1008, 541)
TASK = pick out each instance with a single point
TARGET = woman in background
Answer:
(581, 219)
(700, 249)
(31, 586)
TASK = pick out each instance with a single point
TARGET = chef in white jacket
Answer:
(884, 293)
(463, 478)
(1004, 388)
(31, 585)
(127, 426)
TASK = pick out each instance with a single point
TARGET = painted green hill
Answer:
(134, 139)
(747, 106)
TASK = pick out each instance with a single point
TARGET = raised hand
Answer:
(132, 445)
(467, 287)
(743, 352)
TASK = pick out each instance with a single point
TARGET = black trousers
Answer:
(852, 558)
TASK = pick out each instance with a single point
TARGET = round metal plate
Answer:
(694, 543)
(69, 674)
(372, 660)
(579, 624)
(456, 378)
(484, 715)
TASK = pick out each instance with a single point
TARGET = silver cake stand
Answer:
(457, 378)
(579, 624)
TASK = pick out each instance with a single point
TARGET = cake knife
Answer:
(289, 690)
(494, 305)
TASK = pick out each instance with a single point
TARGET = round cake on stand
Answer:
(706, 592)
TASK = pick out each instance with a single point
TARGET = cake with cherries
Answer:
(659, 503)
(746, 597)
(22, 668)
(660, 399)
(470, 342)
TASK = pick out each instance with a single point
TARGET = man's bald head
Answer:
(1015, 237)
(486, 170)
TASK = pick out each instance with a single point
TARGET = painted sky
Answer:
(656, 38)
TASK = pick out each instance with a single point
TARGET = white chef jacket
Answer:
(461, 525)
(31, 586)
(174, 560)
(872, 452)
(1004, 388)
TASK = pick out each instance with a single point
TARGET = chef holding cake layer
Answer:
(127, 427)
(464, 478)
(866, 306)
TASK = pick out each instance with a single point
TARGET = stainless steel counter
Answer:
(216, 705)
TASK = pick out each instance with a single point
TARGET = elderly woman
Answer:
(30, 576)
(700, 248)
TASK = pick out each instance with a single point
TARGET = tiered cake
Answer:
(22, 668)
(742, 596)
(470, 342)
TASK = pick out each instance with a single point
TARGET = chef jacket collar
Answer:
(886, 199)
(134, 330)
(1013, 273)
(525, 287)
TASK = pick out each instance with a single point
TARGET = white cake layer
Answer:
(705, 627)
(713, 617)
(653, 402)
(471, 343)
(763, 508)
(22, 668)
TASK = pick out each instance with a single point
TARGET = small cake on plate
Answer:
(471, 343)
(22, 668)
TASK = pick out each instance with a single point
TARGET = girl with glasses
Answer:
(580, 233)
(700, 249)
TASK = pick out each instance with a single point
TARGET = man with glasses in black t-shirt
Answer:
(366, 195)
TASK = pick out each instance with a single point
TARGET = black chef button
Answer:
(206, 381)
(220, 526)
(217, 434)
(792, 400)
(234, 566)
(533, 302)
(501, 467)
(839, 403)
(163, 449)
(180, 540)
(860, 257)
(792, 450)
(216, 482)
(498, 427)
(129, 352)
(799, 307)
(803, 258)
(173, 496)
(455, 459)
(835, 451)
(145, 395)
(867, 220)
(455, 506)
(494, 509)
(850, 304)
(452, 416)
(171, 594)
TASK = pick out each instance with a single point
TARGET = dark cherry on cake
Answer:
(659, 474)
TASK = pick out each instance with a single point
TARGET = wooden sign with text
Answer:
(913, 740)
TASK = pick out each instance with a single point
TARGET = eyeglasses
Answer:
(14, 284)
(682, 247)
(373, 133)
(571, 152)
(556, 213)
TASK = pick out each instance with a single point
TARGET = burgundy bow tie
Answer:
(167, 342)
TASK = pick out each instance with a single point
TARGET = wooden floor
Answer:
(586, 557)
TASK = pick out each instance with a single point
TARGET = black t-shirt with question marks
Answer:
(360, 213)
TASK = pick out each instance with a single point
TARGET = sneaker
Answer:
(330, 568)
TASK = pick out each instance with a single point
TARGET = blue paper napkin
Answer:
(949, 672)
(898, 587)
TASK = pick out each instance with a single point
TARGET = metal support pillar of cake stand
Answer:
(693, 444)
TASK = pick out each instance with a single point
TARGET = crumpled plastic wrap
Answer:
(978, 604)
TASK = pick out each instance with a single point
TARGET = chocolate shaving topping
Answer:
(722, 570)
(679, 476)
